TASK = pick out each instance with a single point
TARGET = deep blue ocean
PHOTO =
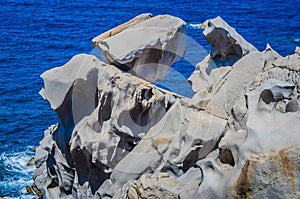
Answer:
(38, 35)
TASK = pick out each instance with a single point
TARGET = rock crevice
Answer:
(119, 136)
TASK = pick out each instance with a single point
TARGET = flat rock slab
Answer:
(148, 48)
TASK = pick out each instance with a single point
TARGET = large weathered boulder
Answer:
(168, 147)
(103, 114)
(120, 28)
(227, 47)
(119, 136)
(254, 152)
(147, 49)
(162, 185)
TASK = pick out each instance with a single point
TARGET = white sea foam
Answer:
(17, 162)
(195, 25)
(16, 174)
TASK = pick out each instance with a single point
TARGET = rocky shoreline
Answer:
(119, 136)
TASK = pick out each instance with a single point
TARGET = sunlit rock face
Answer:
(103, 114)
(227, 46)
(119, 136)
(148, 48)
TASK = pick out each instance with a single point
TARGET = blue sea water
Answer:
(38, 35)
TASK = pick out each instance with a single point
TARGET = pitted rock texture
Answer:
(255, 180)
(103, 114)
(119, 136)
(227, 46)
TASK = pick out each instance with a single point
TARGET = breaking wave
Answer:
(15, 175)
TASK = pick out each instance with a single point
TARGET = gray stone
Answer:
(103, 114)
(147, 49)
(229, 90)
(227, 46)
(170, 147)
(297, 50)
(119, 136)
(138, 19)
(274, 175)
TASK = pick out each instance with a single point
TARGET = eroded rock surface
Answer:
(120, 28)
(255, 180)
(119, 136)
(103, 114)
(227, 47)
(147, 49)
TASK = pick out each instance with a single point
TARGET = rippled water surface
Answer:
(38, 35)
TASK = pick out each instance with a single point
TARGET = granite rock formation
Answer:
(138, 19)
(119, 136)
(93, 133)
(148, 57)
